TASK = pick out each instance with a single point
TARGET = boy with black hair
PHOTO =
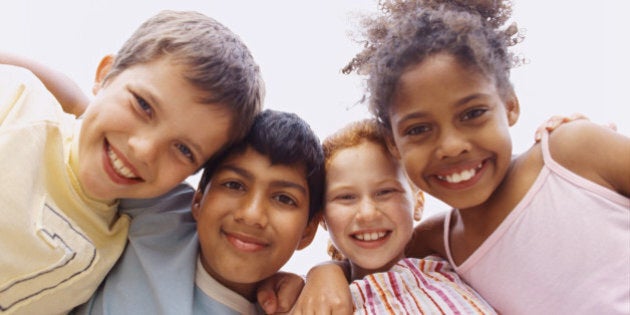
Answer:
(254, 207)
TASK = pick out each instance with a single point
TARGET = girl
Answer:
(368, 213)
(546, 231)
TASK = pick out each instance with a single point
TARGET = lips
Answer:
(246, 243)
(370, 239)
(461, 177)
(370, 236)
(117, 168)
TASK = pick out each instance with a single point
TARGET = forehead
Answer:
(258, 167)
(362, 160)
(439, 79)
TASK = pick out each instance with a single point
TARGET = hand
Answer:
(554, 122)
(557, 120)
(278, 293)
(326, 291)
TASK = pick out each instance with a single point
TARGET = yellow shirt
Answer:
(56, 244)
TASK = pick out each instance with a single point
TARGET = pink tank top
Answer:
(564, 249)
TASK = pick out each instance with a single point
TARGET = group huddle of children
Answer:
(96, 220)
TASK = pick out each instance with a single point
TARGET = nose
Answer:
(452, 143)
(368, 210)
(145, 148)
(253, 211)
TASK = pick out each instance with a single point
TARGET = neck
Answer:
(358, 272)
(246, 290)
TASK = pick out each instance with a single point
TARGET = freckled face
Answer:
(369, 207)
(251, 219)
(146, 131)
(450, 130)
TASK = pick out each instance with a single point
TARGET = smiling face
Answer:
(450, 130)
(369, 207)
(251, 218)
(146, 131)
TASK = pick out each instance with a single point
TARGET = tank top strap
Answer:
(446, 238)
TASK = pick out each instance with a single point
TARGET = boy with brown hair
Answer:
(181, 89)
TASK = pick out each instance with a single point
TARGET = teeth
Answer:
(462, 176)
(370, 236)
(119, 167)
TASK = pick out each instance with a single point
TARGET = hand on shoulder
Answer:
(595, 152)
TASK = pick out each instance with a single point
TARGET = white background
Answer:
(578, 57)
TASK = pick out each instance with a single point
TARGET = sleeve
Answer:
(24, 96)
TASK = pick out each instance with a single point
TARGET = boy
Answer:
(253, 208)
(179, 90)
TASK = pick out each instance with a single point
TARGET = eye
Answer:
(345, 197)
(417, 129)
(233, 185)
(473, 113)
(285, 199)
(185, 151)
(144, 105)
(385, 192)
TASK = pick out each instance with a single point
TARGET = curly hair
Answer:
(408, 31)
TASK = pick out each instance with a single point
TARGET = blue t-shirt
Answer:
(156, 273)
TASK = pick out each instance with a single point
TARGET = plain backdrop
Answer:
(577, 57)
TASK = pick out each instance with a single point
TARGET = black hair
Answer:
(285, 139)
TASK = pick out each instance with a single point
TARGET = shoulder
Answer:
(428, 237)
(594, 152)
(15, 76)
(179, 199)
(21, 90)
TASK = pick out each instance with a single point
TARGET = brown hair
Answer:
(407, 32)
(216, 60)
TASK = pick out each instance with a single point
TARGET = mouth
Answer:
(246, 243)
(370, 236)
(461, 176)
(118, 169)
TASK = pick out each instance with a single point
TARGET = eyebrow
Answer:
(276, 183)
(459, 103)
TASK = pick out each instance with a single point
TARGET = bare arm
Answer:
(595, 152)
(66, 91)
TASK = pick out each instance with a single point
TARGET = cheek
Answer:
(337, 218)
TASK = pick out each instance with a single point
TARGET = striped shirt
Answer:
(417, 286)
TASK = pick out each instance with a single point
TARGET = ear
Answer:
(196, 203)
(391, 145)
(101, 72)
(513, 109)
(418, 207)
(309, 232)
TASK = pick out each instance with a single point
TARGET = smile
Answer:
(119, 166)
(368, 237)
(461, 176)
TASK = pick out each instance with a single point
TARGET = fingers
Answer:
(554, 122)
(278, 293)
(267, 298)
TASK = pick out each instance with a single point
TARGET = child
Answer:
(368, 213)
(542, 232)
(253, 208)
(179, 90)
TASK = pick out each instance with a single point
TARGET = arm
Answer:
(428, 238)
(67, 93)
(595, 152)
(326, 291)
